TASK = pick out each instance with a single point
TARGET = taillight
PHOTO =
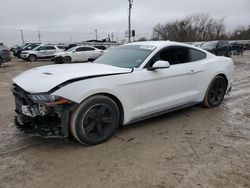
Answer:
(6, 50)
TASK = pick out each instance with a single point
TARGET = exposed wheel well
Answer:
(224, 76)
(117, 101)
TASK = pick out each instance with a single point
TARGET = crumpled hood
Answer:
(43, 79)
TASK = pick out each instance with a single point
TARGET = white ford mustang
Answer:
(125, 85)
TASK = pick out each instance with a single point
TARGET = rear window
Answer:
(196, 55)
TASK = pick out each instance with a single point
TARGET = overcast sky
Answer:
(64, 20)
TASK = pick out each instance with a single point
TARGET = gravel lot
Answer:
(193, 147)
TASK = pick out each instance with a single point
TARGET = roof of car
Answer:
(160, 44)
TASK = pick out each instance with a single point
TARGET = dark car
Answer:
(29, 46)
(5, 55)
(219, 48)
(237, 49)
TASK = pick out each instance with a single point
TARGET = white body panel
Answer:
(78, 56)
(141, 92)
(41, 53)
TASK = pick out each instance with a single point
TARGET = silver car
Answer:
(4, 54)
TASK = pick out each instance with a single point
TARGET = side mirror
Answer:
(159, 65)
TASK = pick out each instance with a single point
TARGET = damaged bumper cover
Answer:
(41, 114)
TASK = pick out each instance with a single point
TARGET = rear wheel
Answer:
(229, 54)
(32, 58)
(95, 120)
(216, 92)
(67, 59)
(1, 62)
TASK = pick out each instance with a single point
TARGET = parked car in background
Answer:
(127, 84)
(67, 47)
(5, 55)
(236, 48)
(77, 54)
(41, 52)
(29, 46)
(219, 48)
(198, 44)
(100, 47)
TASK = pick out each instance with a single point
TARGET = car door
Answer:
(41, 51)
(50, 50)
(170, 87)
(221, 48)
(79, 54)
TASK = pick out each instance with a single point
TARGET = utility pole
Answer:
(22, 36)
(96, 36)
(39, 36)
(130, 3)
(112, 37)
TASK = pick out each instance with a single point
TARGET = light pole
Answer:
(96, 36)
(129, 19)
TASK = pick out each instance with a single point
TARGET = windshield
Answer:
(71, 49)
(211, 44)
(130, 56)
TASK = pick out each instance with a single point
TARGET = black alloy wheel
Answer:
(98, 121)
(95, 120)
(216, 92)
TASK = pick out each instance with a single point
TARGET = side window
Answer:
(196, 55)
(80, 49)
(89, 49)
(50, 48)
(60, 47)
(174, 55)
(41, 48)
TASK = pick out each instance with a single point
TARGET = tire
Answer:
(229, 54)
(32, 58)
(95, 120)
(215, 92)
(66, 59)
(1, 61)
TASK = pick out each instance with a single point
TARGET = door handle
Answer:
(192, 71)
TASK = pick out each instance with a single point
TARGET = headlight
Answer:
(48, 99)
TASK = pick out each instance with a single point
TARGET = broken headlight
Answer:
(48, 99)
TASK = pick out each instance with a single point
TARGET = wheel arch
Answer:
(116, 100)
(224, 76)
(33, 55)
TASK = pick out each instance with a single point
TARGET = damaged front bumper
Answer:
(40, 119)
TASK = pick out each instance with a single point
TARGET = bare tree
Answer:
(241, 33)
(195, 27)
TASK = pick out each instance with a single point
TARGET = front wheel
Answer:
(66, 59)
(32, 58)
(95, 120)
(216, 92)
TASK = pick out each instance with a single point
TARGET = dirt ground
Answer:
(193, 147)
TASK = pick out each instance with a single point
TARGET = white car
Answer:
(127, 84)
(78, 54)
(41, 52)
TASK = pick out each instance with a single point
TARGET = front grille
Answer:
(21, 97)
